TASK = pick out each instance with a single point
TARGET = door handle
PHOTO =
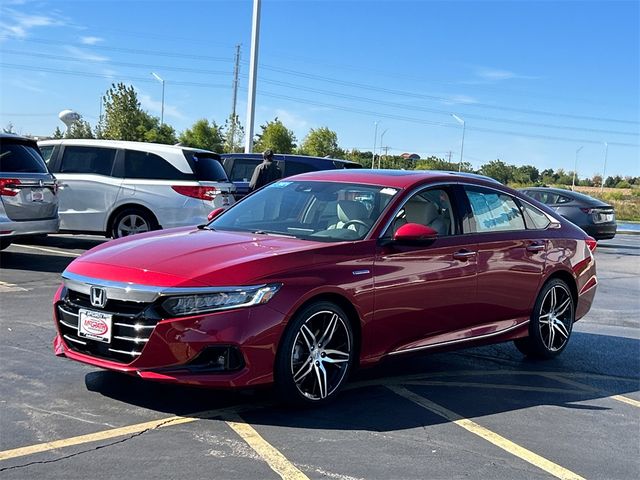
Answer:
(464, 255)
(535, 247)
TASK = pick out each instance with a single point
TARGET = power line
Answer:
(120, 64)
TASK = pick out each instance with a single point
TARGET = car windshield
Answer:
(322, 211)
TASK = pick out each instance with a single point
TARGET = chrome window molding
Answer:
(132, 292)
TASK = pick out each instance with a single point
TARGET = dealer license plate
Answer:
(94, 325)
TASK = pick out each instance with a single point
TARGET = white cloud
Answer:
(459, 99)
(155, 107)
(18, 24)
(85, 55)
(291, 120)
(497, 75)
(91, 40)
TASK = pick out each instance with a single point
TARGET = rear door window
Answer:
(493, 211)
(291, 167)
(88, 160)
(149, 166)
(20, 158)
(207, 167)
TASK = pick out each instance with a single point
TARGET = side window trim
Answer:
(449, 189)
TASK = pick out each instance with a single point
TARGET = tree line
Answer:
(124, 119)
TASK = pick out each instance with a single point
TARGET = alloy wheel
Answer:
(556, 317)
(132, 224)
(320, 355)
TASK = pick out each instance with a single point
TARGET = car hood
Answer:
(189, 257)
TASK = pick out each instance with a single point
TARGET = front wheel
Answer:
(551, 322)
(315, 355)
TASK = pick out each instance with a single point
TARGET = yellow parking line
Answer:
(589, 388)
(121, 431)
(48, 250)
(270, 454)
(497, 440)
(94, 437)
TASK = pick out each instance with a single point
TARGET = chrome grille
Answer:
(132, 324)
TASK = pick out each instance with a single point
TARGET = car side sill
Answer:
(460, 340)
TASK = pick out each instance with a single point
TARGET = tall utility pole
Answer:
(461, 122)
(157, 77)
(604, 167)
(381, 140)
(375, 140)
(449, 153)
(575, 167)
(253, 73)
(236, 72)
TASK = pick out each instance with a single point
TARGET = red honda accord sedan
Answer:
(314, 275)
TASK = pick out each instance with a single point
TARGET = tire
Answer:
(306, 371)
(4, 243)
(131, 221)
(551, 322)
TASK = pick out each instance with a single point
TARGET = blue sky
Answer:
(533, 81)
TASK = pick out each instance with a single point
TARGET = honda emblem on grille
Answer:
(98, 297)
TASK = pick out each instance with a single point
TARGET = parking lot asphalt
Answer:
(476, 413)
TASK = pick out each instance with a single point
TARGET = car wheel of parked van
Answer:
(315, 355)
(131, 221)
(551, 322)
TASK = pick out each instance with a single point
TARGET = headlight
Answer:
(223, 299)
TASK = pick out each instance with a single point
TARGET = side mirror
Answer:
(214, 213)
(414, 233)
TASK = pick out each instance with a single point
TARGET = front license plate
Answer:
(94, 325)
(37, 195)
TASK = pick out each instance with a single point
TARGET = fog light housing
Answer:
(218, 359)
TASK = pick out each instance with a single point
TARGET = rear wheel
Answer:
(315, 355)
(551, 322)
(131, 221)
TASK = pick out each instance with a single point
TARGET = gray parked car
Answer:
(28, 200)
(594, 216)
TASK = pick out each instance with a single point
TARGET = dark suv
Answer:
(240, 167)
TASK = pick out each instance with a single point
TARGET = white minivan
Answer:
(119, 188)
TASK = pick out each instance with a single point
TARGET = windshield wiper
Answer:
(275, 234)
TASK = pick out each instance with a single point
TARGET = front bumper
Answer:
(175, 344)
(28, 227)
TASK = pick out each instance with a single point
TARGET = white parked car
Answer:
(120, 188)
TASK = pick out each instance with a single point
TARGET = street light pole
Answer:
(253, 73)
(604, 168)
(461, 122)
(162, 108)
(381, 147)
(375, 139)
(575, 167)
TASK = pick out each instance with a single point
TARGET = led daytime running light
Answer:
(223, 299)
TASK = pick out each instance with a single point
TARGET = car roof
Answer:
(285, 156)
(148, 147)
(392, 178)
(13, 136)
(578, 196)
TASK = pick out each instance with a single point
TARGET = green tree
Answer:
(153, 132)
(498, 170)
(233, 134)
(123, 116)
(58, 133)
(9, 128)
(202, 135)
(321, 142)
(527, 174)
(78, 129)
(275, 136)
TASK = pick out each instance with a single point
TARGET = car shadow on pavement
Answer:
(70, 242)
(472, 383)
(11, 260)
